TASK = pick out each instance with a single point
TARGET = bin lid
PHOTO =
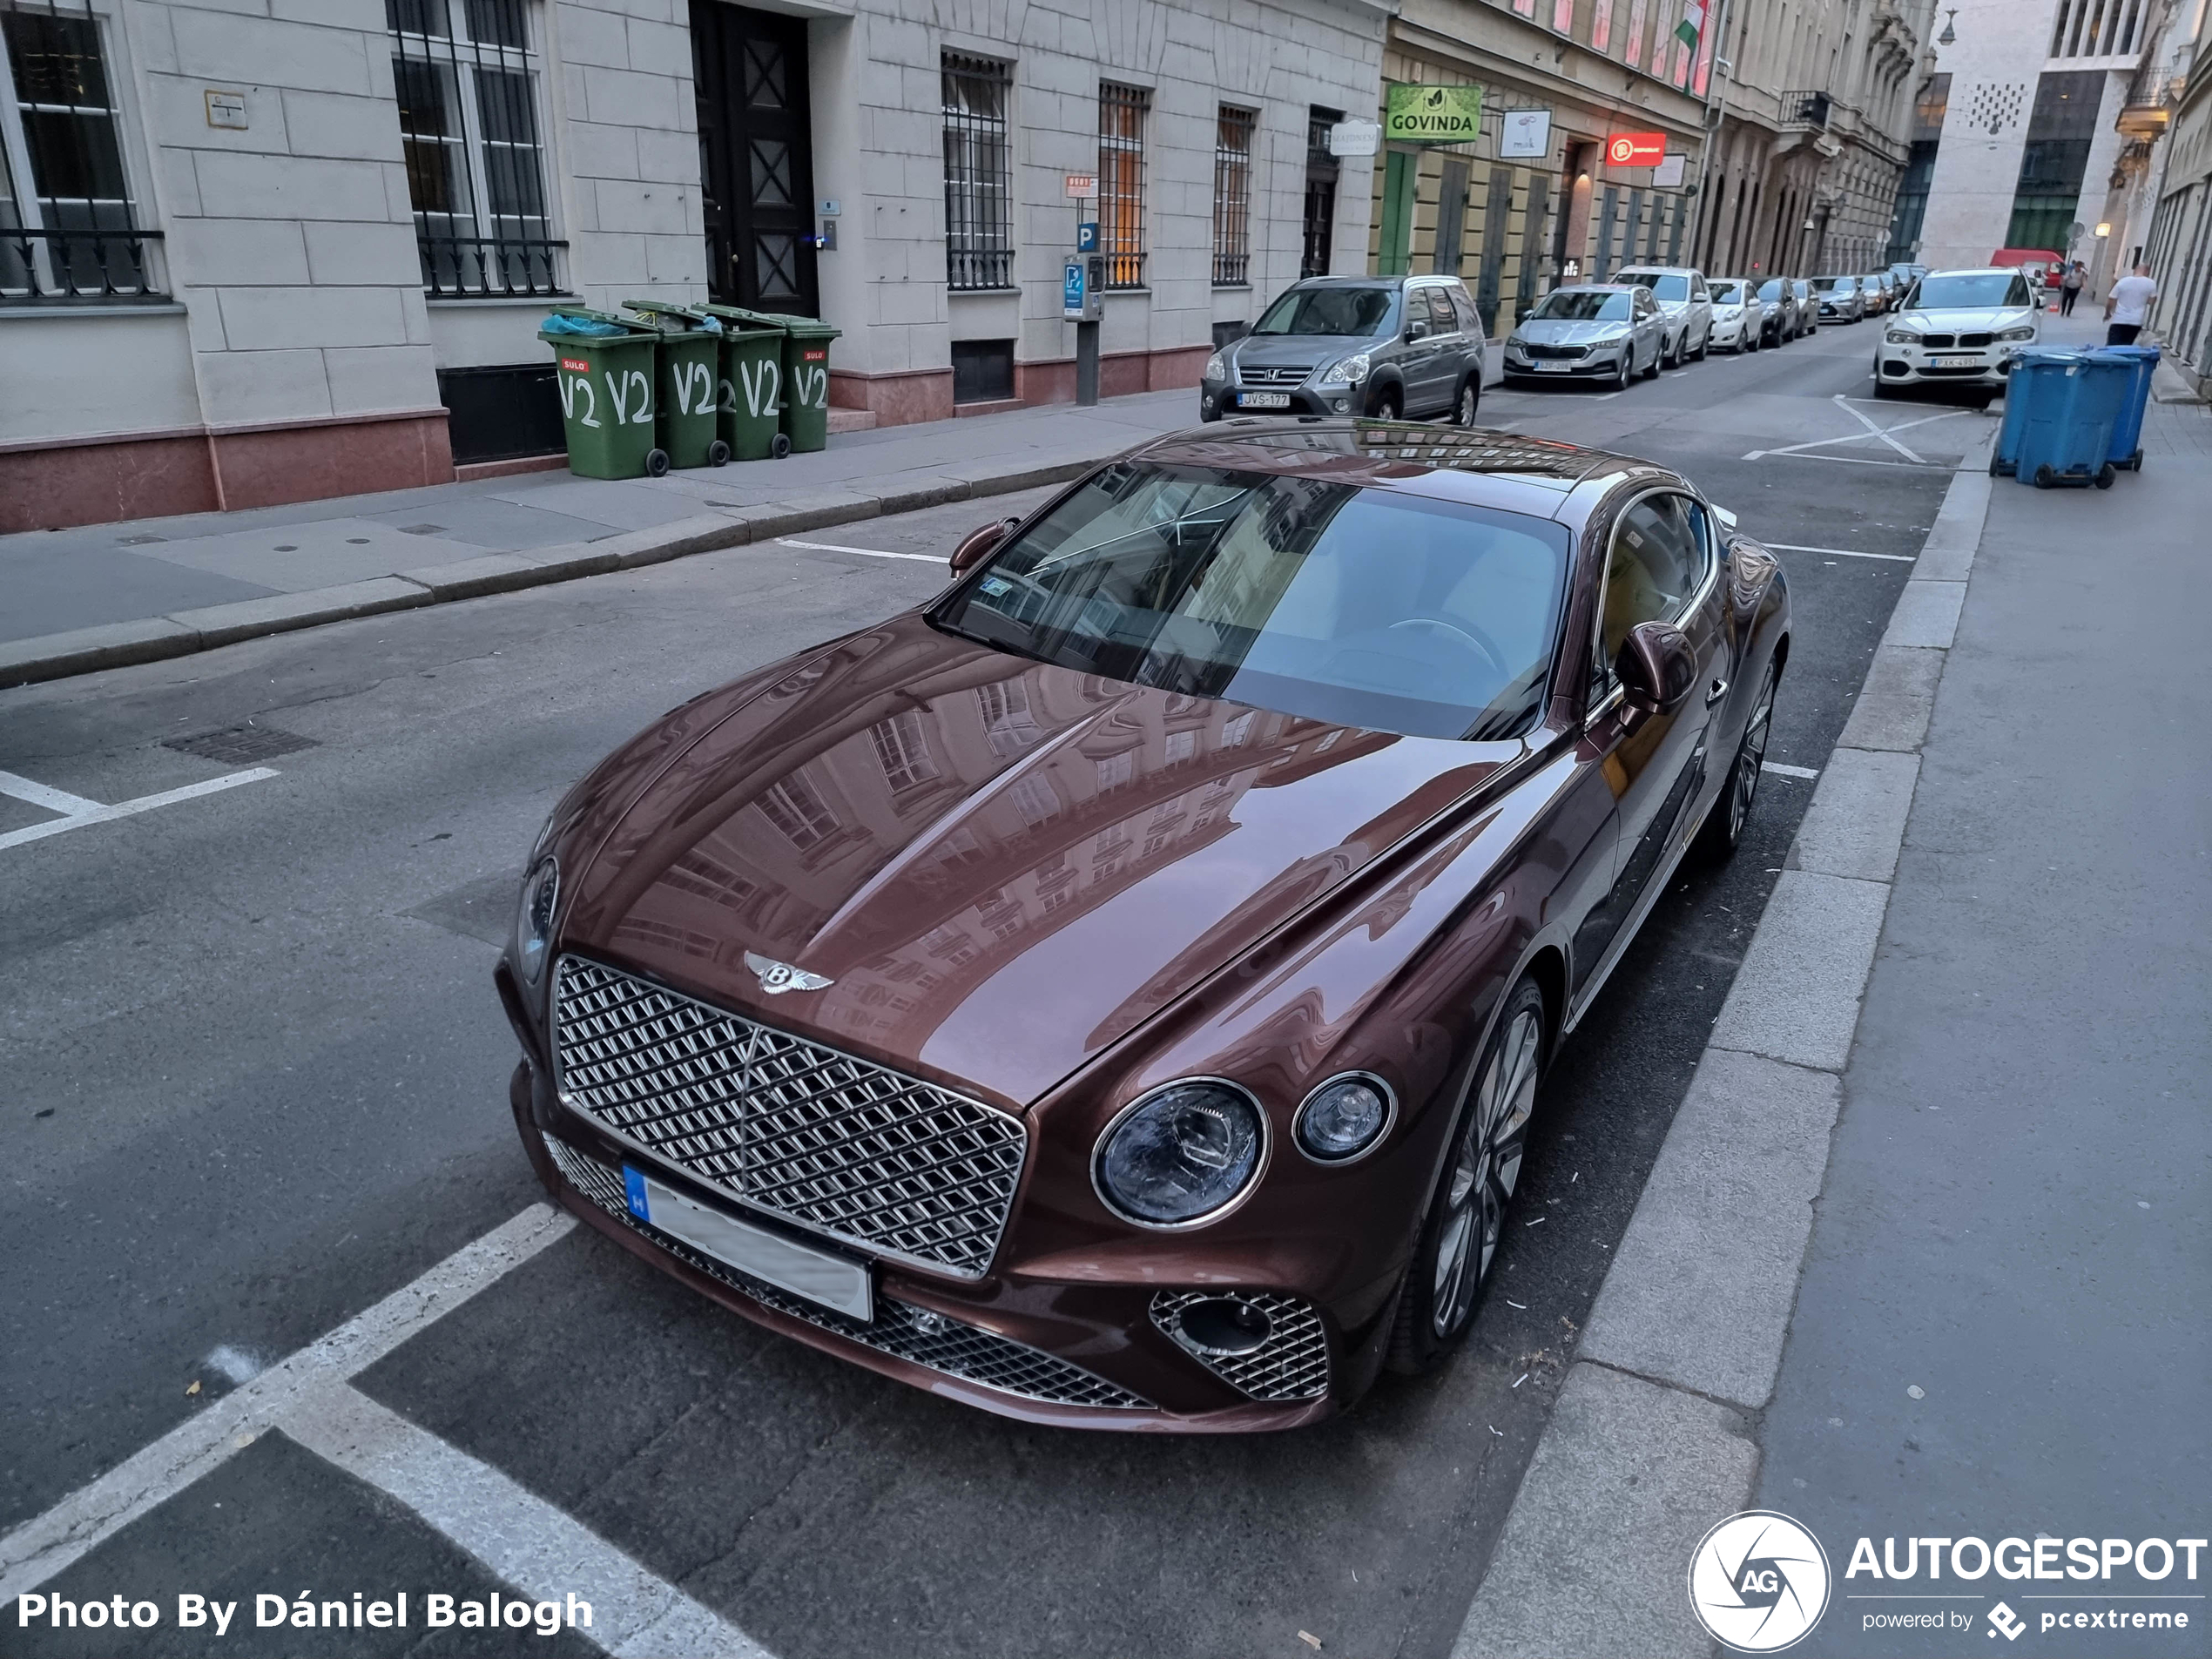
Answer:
(671, 318)
(628, 325)
(760, 322)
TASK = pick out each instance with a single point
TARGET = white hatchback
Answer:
(1957, 328)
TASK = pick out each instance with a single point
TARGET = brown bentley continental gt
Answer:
(1115, 993)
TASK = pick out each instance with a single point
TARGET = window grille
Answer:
(466, 75)
(1232, 198)
(1121, 182)
(69, 229)
(979, 174)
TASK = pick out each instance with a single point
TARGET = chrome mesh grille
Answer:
(1292, 1364)
(867, 1155)
(918, 1335)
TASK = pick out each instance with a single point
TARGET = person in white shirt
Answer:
(2128, 307)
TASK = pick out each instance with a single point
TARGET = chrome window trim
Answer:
(1691, 601)
(1390, 1118)
(1236, 1200)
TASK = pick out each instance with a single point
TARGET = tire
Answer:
(1669, 355)
(657, 463)
(780, 446)
(1389, 404)
(2106, 474)
(1469, 400)
(1883, 388)
(717, 453)
(1732, 808)
(1627, 367)
(1450, 1271)
(2044, 477)
(1704, 346)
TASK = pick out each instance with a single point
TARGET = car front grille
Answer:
(1937, 342)
(1292, 1364)
(1272, 373)
(920, 1336)
(887, 1162)
(1553, 354)
(1976, 340)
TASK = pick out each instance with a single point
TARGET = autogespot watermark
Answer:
(1759, 1582)
(306, 1611)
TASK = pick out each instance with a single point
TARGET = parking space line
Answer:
(54, 800)
(865, 552)
(544, 1553)
(1777, 767)
(92, 813)
(1840, 552)
(39, 1548)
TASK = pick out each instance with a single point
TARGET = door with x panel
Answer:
(755, 158)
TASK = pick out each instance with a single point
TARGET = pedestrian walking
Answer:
(2070, 290)
(2128, 307)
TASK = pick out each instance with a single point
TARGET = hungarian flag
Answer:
(1692, 24)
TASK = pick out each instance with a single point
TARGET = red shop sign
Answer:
(1636, 149)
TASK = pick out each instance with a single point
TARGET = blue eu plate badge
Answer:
(633, 1185)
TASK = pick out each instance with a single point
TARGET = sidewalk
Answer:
(105, 595)
(1925, 1252)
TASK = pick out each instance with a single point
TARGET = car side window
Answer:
(2017, 295)
(1441, 312)
(1417, 321)
(1470, 322)
(1697, 289)
(1656, 562)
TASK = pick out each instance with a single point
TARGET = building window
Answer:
(799, 813)
(902, 749)
(978, 174)
(1232, 198)
(69, 230)
(1121, 182)
(1637, 29)
(466, 73)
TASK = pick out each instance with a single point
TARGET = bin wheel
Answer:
(1996, 468)
(2135, 462)
(2106, 474)
(2044, 477)
(657, 463)
(780, 445)
(717, 453)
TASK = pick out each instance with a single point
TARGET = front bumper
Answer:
(1909, 366)
(1601, 365)
(1217, 401)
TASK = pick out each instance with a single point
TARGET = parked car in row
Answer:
(1386, 346)
(1610, 331)
(1683, 295)
(1739, 315)
(1841, 298)
(1958, 328)
(1791, 307)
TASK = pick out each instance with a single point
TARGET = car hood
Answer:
(1000, 865)
(1546, 331)
(1317, 351)
(1966, 319)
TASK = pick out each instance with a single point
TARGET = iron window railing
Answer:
(979, 174)
(1232, 197)
(466, 75)
(1805, 109)
(69, 229)
(1121, 111)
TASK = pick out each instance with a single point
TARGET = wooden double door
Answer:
(756, 163)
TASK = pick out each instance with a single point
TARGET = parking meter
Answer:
(1083, 277)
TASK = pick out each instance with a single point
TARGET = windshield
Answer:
(1772, 290)
(1582, 304)
(1663, 288)
(1727, 294)
(1826, 284)
(1357, 312)
(1970, 291)
(1359, 607)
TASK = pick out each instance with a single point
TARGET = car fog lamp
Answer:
(1346, 371)
(1223, 1326)
(1343, 1118)
(1181, 1153)
(534, 921)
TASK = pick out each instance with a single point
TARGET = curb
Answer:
(1655, 1432)
(123, 644)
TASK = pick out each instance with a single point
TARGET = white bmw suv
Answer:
(1957, 328)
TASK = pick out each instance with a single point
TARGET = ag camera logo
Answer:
(1758, 1581)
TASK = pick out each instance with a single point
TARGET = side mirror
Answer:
(977, 542)
(1727, 519)
(1656, 667)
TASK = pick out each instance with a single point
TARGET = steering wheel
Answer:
(1474, 637)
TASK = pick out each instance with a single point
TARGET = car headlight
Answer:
(1343, 1118)
(534, 919)
(1216, 368)
(2018, 334)
(1347, 371)
(1902, 337)
(1181, 1154)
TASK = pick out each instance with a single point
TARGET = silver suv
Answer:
(1683, 295)
(1390, 347)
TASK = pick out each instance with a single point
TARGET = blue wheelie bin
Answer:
(2127, 429)
(2073, 399)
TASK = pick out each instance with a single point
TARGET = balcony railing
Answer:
(490, 267)
(78, 267)
(1805, 110)
(968, 269)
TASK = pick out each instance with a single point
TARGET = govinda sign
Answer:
(1433, 114)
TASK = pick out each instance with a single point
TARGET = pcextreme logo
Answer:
(1758, 1581)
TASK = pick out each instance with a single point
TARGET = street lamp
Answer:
(1950, 36)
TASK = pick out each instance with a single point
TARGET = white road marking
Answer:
(54, 800)
(543, 1553)
(93, 812)
(1873, 431)
(39, 1548)
(1883, 432)
(1840, 552)
(1856, 460)
(868, 552)
(1788, 771)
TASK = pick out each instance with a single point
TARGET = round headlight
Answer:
(533, 920)
(1343, 1118)
(1181, 1153)
(1216, 368)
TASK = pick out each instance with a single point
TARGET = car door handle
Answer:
(1718, 690)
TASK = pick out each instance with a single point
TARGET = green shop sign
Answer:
(1433, 114)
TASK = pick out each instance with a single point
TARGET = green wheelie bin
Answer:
(690, 367)
(606, 383)
(806, 340)
(752, 384)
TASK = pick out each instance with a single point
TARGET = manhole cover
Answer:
(420, 530)
(242, 743)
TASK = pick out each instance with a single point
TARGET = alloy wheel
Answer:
(1744, 783)
(1484, 1171)
(1463, 412)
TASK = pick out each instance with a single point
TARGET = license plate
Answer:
(815, 1274)
(1555, 368)
(1954, 362)
(1263, 400)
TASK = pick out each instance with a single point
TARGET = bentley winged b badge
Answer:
(778, 977)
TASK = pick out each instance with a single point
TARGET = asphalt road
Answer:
(255, 1080)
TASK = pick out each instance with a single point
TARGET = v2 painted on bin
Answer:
(620, 389)
(694, 388)
(812, 382)
(762, 383)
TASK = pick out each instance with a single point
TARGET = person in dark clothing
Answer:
(2070, 290)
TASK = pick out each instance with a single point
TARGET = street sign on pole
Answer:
(1081, 184)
